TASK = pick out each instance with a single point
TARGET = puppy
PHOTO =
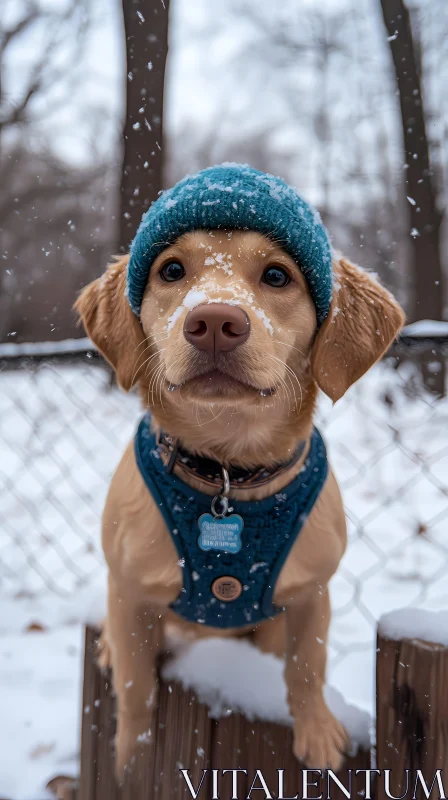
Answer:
(228, 354)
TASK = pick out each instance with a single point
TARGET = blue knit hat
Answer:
(235, 196)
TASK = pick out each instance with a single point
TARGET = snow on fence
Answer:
(212, 715)
(64, 425)
(200, 731)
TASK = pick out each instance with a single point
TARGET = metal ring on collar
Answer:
(226, 482)
(224, 506)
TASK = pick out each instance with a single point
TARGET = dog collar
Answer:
(210, 471)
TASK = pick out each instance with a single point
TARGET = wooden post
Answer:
(185, 736)
(412, 711)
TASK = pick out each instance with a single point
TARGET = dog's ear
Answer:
(363, 321)
(110, 323)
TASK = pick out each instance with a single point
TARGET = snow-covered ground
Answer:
(62, 430)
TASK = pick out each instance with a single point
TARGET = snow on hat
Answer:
(235, 196)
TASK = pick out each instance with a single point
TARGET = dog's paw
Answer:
(320, 741)
(103, 654)
(134, 737)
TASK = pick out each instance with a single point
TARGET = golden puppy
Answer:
(247, 398)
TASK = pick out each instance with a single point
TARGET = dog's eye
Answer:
(276, 277)
(173, 271)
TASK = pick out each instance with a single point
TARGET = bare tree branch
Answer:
(44, 74)
(31, 15)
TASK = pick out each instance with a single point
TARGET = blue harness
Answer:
(271, 526)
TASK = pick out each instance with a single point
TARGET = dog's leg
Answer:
(270, 636)
(135, 638)
(319, 739)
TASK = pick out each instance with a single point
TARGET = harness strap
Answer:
(271, 527)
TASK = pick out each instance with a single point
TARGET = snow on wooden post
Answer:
(187, 737)
(412, 697)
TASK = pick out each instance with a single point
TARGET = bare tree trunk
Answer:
(424, 216)
(146, 30)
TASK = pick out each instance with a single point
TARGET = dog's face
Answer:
(231, 317)
(227, 319)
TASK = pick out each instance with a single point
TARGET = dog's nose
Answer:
(216, 327)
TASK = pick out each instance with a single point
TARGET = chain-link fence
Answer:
(64, 425)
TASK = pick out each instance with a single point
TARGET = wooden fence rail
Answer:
(185, 736)
(411, 734)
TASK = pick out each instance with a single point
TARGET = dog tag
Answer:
(220, 533)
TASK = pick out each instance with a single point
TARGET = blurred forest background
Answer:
(307, 90)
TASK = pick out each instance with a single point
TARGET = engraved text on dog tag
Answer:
(220, 533)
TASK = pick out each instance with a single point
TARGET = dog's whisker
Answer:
(140, 355)
(151, 343)
(154, 381)
(215, 417)
(160, 337)
(162, 378)
(138, 366)
(172, 366)
(154, 337)
(156, 384)
(279, 379)
(148, 361)
(155, 371)
(146, 339)
(291, 346)
(150, 358)
(291, 374)
(196, 405)
(198, 411)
